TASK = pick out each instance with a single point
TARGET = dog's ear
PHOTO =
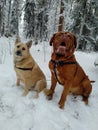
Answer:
(51, 40)
(29, 43)
(75, 42)
(17, 40)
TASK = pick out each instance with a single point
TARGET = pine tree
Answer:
(41, 19)
(2, 17)
(53, 17)
(85, 24)
(8, 18)
(29, 18)
(16, 13)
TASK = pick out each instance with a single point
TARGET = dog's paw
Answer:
(24, 93)
(85, 100)
(35, 94)
(17, 84)
(49, 97)
(61, 105)
(48, 93)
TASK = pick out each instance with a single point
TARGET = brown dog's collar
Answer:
(61, 63)
(23, 68)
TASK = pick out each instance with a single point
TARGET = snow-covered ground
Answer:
(27, 113)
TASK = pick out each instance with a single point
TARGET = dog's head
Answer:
(21, 50)
(64, 43)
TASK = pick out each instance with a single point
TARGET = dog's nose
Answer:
(18, 53)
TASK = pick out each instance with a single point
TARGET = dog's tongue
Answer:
(61, 50)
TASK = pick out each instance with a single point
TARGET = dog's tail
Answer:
(92, 81)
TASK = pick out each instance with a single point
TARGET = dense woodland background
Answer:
(39, 19)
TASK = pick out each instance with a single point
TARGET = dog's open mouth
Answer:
(63, 44)
(61, 49)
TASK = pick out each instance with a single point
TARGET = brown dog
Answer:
(65, 69)
(27, 70)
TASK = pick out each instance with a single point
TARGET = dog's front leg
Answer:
(26, 88)
(50, 92)
(65, 92)
(18, 82)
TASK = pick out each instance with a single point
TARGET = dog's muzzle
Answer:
(18, 53)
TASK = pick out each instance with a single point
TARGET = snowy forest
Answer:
(39, 19)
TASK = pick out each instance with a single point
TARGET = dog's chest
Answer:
(57, 71)
(22, 74)
(62, 72)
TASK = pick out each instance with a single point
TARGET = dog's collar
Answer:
(61, 62)
(23, 68)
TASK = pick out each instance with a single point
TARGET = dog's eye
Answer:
(18, 46)
(23, 48)
(69, 36)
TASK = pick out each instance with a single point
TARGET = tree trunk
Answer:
(83, 19)
(8, 33)
(54, 27)
(2, 26)
(61, 18)
(17, 18)
(0, 20)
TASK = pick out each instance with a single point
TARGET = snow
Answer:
(28, 113)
